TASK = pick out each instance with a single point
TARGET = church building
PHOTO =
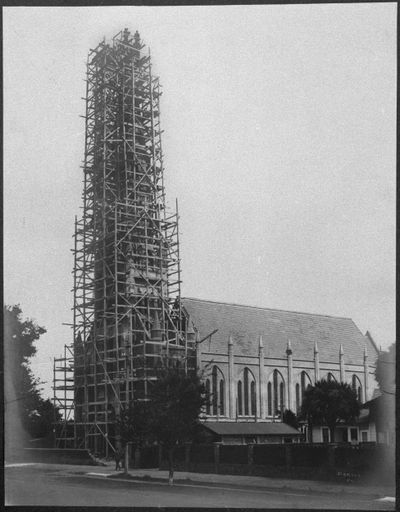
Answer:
(258, 362)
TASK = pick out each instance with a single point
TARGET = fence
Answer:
(308, 461)
(59, 456)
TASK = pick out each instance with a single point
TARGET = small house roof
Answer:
(226, 428)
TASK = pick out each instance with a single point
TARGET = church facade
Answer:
(258, 362)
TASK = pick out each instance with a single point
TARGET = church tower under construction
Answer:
(127, 308)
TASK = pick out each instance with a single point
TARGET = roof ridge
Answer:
(269, 309)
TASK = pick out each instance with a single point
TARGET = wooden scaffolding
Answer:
(127, 308)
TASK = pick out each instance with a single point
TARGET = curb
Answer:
(188, 481)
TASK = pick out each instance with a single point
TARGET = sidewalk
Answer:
(255, 482)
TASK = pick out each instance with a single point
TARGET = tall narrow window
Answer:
(221, 397)
(281, 397)
(215, 392)
(305, 382)
(354, 383)
(297, 397)
(275, 392)
(240, 398)
(278, 393)
(356, 387)
(253, 398)
(246, 391)
(208, 408)
(269, 399)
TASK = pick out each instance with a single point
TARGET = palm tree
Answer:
(328, 403)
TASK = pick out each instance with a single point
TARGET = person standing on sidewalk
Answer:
(117, 456)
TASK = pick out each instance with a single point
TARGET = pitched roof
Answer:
(246, 323)
(225, 428)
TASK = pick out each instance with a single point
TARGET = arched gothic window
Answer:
(305, 381)
(269, 399)
(222, 397)
(253, 398)
(331, 377)
(281, 397)
(247, 394)
(217, 392)
(208, 389)
(303, 384)
(297, 397)
(240, 398)
(214, 391)
(356, 387)
(276, 394)
(246, 391)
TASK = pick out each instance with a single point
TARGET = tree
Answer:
(26, 409)
(290, 418)
(328, 403)
(177, 400)
(133, 424)
(41, 419)
(171, 413)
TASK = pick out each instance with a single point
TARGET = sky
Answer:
(279, 143)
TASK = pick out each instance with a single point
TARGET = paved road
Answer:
(41, 485)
